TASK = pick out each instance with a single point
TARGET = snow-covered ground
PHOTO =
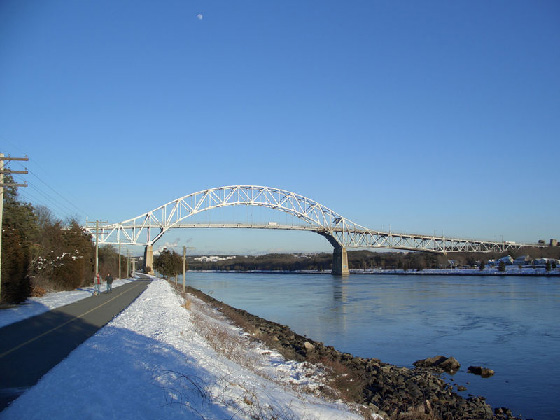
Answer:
(488, 271)
(155, 360)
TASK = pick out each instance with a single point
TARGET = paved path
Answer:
(31, 347)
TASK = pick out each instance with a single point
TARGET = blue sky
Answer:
(426, 116)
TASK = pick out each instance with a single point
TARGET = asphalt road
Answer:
(30, 348)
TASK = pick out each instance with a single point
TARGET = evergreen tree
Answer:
(62, 257)
(19, 229)
(168, 263)
(501, 266)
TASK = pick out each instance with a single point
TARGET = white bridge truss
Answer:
(341, 232)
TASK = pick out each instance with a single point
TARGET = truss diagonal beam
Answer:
(341, 232)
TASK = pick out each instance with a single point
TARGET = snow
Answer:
(488, 271)
(165, 357)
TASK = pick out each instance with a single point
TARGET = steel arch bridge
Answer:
(341, 232)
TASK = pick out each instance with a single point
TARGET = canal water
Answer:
(506, 323)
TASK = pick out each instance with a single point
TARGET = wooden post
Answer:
(119, 258)
(184, 267)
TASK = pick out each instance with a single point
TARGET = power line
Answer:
(49, 197)
(57, 193)
(55, 200)
(39, 178)
(39, 197)
(63, 209)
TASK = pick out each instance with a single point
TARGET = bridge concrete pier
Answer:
(340, 262)
(149, 259)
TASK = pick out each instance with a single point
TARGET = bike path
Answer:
(31, 347)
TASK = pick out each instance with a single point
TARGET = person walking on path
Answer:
(109, 280)
(96, 284)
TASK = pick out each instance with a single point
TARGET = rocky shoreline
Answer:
(392, 391)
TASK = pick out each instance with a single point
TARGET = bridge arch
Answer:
(171, 215)
(342, 233)
(318, 217)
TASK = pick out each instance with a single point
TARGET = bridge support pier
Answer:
(149, 259)
(340, 262)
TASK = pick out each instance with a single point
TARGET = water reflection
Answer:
(340, 285)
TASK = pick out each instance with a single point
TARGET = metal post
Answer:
(184, 268)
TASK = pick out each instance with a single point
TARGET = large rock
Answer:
(482, 371)
(441, 363)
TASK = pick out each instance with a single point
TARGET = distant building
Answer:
(213, 258)
(541, 262)
(554, 242)
(452, 263)
(508, 260)
(522, 260)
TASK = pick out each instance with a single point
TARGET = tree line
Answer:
(169, 263)
(321, 261)
(41, 253)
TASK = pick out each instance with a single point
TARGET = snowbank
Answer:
(488, 271)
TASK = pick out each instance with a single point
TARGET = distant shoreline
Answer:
(459, 273)
(400, 272)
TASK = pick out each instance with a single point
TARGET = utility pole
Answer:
(119, 258)
(96, 247)
(185, 263)
(133, 261)
(2, 185)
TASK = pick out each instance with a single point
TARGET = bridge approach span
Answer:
(341, 232)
